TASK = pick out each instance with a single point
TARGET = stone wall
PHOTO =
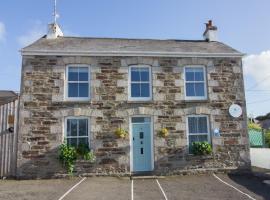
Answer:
(43, 110)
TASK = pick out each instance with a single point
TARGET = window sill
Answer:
(65, 102)
(196, 101)
(140, 101)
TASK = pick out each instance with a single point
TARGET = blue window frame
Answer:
(140, 87)
(78, 82)
(195, 84)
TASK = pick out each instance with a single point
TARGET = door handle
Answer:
(133, 138)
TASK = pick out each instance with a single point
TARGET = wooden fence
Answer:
(8, 138)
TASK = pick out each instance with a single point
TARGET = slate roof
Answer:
(7, 96)
(80, 45)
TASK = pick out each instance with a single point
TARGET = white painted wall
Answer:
(260, 157)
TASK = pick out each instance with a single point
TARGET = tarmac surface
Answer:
(203, 187)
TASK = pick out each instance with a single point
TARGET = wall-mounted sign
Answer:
(235, 110)
(216, 132)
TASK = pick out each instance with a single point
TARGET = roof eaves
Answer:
(127, 53)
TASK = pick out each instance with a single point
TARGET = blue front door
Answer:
(141, 138)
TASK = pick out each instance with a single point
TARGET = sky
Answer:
(242, 24)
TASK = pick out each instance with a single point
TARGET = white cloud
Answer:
(36, 32)
(258, 67)
(2, 31)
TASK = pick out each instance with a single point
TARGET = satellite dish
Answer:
(235, 110)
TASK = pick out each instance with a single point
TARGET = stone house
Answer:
(83, 89)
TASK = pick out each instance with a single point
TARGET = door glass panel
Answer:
(140, 119)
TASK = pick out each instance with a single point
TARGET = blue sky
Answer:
(243, 24)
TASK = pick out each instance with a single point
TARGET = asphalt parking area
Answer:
(204, 187)
(35, 189)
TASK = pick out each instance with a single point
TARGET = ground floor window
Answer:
(77, 131)
(198, 129)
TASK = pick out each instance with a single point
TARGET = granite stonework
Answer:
(43, 109)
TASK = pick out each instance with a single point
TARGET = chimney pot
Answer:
(54, 31)
(210, 33)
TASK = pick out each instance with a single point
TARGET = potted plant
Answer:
(121, 133)
(163, 132)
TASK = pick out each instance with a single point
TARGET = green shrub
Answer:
(90, 156)
(68, 155)
(254, 126)
(267, 139)
(201, 148)
(82, 149)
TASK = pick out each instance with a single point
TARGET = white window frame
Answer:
(208, 128)
(67, 98)
(150, 84)
(205, 83)
(79, 117)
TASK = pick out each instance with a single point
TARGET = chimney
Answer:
(54, 31)
(210, 33)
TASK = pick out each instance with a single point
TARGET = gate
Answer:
(256, 138)
(8, 138)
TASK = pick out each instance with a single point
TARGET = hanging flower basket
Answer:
(121, 133)
(163, 132)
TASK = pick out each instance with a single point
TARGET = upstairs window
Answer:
(140, 87)
(78, 83)
(198, 130)
(195, 84)
(77, 131)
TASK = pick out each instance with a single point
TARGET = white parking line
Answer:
(162, 190)
(64, 195)
(132, 189)
(233, 187)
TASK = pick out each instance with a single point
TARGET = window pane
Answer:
(199, 76)
(83, 127)
(73, 90)
(73, 126)
(83, 74)
(202, 125)
(135, 74)
(144, 74)
(145, 90)
(190, 90)
(72, 74)
(83, 141)
(199, 89)
(192, 125)
(189, 76)
(68, 128)
(83, 90)
(135, 90)
(72, 142)
(197, 138)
